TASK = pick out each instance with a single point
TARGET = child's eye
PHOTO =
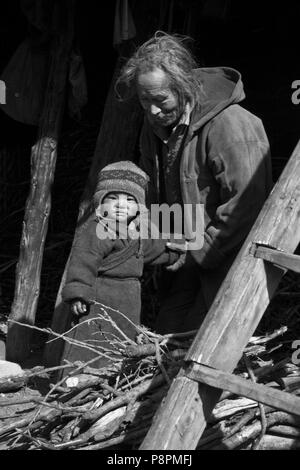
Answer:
(110, 198)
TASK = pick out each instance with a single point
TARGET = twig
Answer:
(126, 437)
(160, 364)
(225, 434)
(72, 341)
(92, 416)
(261, 407)
(107, 307)
(253, 430)
(109, 319)
(136, 382)
(283, 430)
(279, 443)
(38, 412)
(139, 350)
(269, 337)
(186, 334)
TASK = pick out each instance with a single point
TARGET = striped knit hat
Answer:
(125, 177)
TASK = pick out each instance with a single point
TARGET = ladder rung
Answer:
(261, 393)
(281, 259)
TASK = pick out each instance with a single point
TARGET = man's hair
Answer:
(166, 52)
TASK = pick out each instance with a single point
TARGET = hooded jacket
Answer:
(225, 166)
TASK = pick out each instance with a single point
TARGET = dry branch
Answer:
(93, 409)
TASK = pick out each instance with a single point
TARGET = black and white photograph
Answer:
(149, 228)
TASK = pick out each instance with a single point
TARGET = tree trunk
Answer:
(35, 224)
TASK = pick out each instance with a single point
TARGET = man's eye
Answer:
(156, 101)
(159, 102)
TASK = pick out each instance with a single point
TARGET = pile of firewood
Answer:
(241, 423)
(113, 407)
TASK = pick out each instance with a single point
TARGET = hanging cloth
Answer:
(124, 27)
(78, 93)
(216, 9)
(25, 78)
(26, 74)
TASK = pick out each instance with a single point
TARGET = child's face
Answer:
(119, 206)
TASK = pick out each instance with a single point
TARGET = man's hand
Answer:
(178, 264)
(79, 308)
(178, 247)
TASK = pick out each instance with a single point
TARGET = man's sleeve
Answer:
(156, 252)
(241, 167)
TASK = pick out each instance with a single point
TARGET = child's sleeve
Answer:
(87, 252)
(157, 252)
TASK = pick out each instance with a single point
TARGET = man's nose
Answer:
(154, 110)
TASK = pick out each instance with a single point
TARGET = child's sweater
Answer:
(93, 258)
(108, 271)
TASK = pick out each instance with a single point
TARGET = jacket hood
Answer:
(222, 86)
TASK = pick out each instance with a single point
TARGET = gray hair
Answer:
(166, 52)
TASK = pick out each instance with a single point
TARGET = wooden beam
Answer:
(118, 135)
(35, 224)
(233, 316)
(284, 260)
(239, 386)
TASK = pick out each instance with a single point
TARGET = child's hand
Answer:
(79, 308)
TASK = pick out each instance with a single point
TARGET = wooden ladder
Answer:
(232, 319)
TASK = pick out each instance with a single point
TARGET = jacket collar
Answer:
(183, 123)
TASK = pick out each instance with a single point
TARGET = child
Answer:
(107, 262)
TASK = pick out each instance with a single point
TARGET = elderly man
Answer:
(199, 146)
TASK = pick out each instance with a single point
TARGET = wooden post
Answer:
(35, 224)
(119, 131)
(233, 317)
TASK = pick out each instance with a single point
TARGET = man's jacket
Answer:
(225, 165)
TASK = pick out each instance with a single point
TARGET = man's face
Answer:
(119, 206)
(161, 105)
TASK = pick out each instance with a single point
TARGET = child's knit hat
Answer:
(123, 176)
